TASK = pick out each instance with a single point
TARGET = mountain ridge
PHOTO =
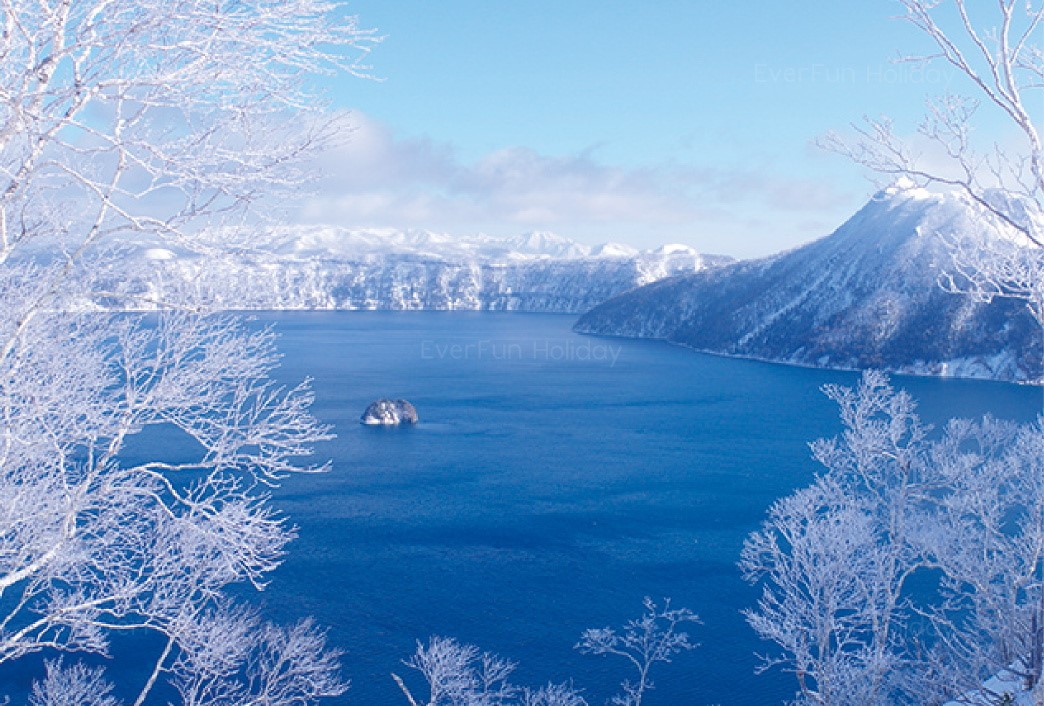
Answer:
(865, 296)
(328, 268)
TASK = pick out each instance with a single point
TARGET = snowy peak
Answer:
(674, 249)
(332, 243)
(866, 296)
(546, 244)
(906, 227)
(904, 189)
(613, 250)
(953, 212)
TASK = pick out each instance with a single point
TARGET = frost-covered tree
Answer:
(156, 117)
(997, 49)
(654, 637)
(985, 536)
(457, 674)
(912, 570)
(833, 559)
(163, 120)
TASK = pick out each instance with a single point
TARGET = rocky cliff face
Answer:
(867, 296)
(393, 270)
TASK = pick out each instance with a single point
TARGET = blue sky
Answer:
(642, 122)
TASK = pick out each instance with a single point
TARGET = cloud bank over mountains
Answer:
(379, 179)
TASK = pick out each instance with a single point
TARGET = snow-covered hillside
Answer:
(332, 268)
(866, 296)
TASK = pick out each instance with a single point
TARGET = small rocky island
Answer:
(390, 413)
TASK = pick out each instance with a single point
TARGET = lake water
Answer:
(553, 482)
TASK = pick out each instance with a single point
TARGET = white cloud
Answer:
(377, 179)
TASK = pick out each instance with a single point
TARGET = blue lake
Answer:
(553, 482)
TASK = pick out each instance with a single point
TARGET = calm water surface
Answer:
(554, 481)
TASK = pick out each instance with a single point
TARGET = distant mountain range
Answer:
(867, 296)
(334, 268)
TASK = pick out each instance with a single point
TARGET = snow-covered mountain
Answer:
(334, 268)
(866, 296)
